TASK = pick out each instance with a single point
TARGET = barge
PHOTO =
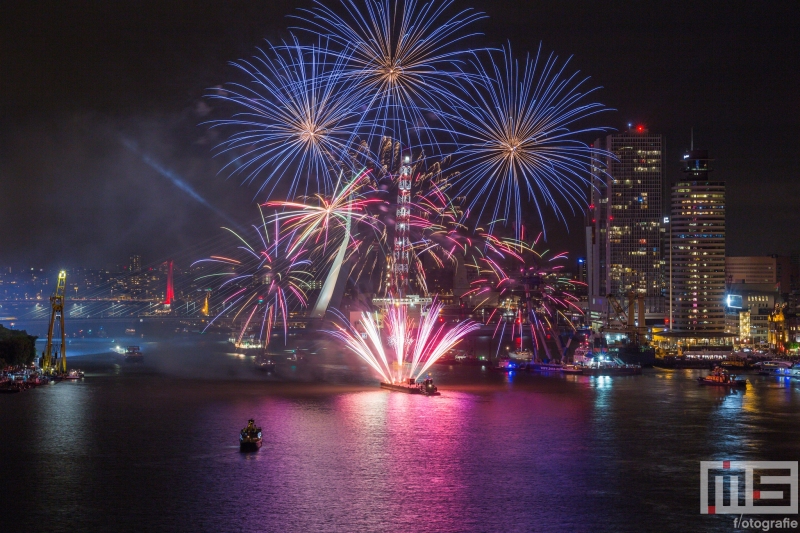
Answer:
(412, 387)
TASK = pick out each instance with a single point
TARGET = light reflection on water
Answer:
(496, 452)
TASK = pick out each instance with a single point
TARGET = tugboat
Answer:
(721, 377)
(411, 386)
(250, 437)
(133, 355)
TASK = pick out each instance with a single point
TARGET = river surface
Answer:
(153, 447)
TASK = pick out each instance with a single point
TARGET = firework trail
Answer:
(400, 54)
(416, 347)
(297, 118)
(313, 223)
(261, 281)
(519, 132)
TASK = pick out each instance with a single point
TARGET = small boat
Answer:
(133, 354)
(250, 437)
(264, 363)
(721, 377)
(411, 386)
(73, 374)
(507, 365)
(774, 368)
(572, 369)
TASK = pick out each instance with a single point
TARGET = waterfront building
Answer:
(624, 221)
(696, 277)
(748, 308)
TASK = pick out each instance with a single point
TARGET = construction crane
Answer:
(49, 364)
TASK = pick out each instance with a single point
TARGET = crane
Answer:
(50, 365)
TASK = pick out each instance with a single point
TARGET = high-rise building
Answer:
(135, 268)
(624, 223)
(750, 269)
(696, 278)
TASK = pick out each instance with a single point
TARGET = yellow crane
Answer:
(57, 312)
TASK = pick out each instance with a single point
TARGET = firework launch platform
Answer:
(411, 387)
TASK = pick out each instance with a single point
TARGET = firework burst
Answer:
(519, 132)
(400, 54)
(298, 113)
(259, 283)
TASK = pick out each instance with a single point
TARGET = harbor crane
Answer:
(56, 364)
(627, 321)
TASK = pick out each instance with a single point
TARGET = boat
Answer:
(507, 365)
(133, 354)
(774, 368)
(603, 365)
(637, 354)
(250, 437)
(721, 377)
(572, 369)
(545, 367)
(73, 374)
(411, 386)
(264, 363)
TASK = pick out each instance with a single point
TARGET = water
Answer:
(154, 448)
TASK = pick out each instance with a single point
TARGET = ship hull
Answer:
(407, 389)
(400, 388)
(250, 446)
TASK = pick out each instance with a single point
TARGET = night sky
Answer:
(93, 95)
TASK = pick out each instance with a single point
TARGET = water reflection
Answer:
(493, 453)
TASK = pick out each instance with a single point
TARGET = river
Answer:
(153, 447)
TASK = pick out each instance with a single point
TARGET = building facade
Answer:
(624, 221)
(750, 269)
(696, 263)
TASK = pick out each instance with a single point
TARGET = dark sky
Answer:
(90, 90)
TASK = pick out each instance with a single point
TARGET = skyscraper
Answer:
(623, 233)
(135, 269)
(697, 226)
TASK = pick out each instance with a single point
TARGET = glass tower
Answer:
(625, 219)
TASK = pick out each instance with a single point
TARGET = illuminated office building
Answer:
(697, 249)
(624, 222)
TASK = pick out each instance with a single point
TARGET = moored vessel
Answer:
(572, 369)
(250, 437)
(774, 368)
(546, 367)
(603, 365)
